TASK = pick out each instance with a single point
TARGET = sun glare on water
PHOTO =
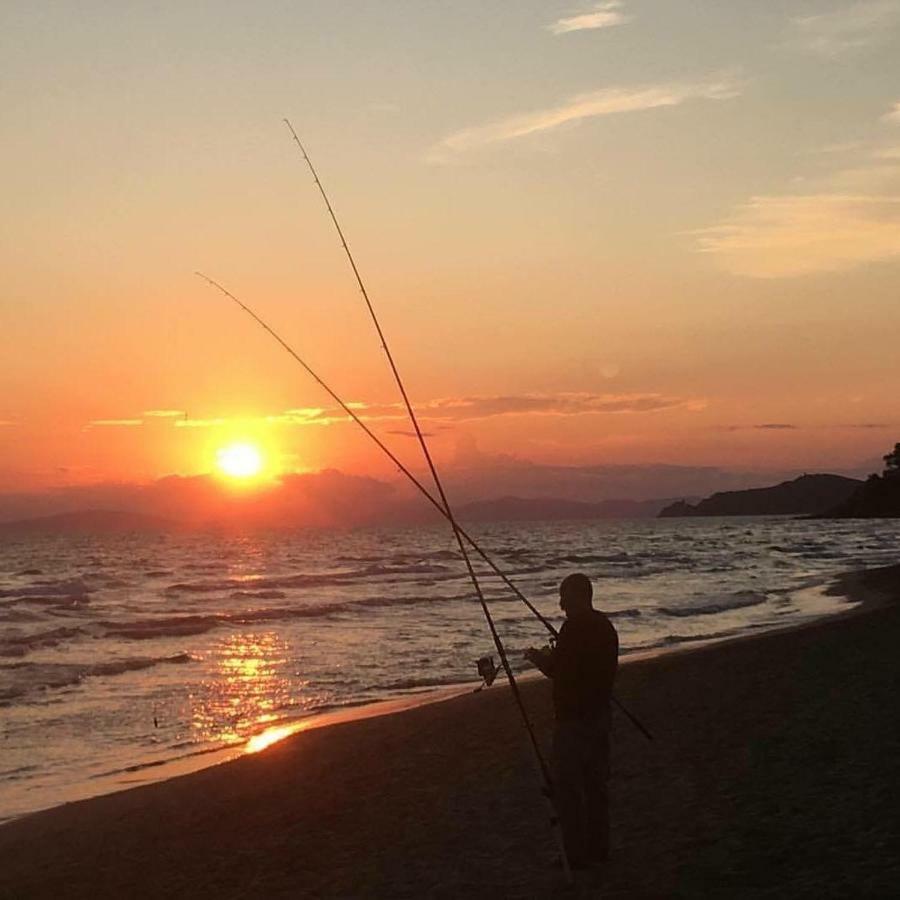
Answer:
(239, 461)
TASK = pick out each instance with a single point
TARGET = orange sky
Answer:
(646, 242)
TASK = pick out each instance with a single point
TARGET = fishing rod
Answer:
(404, 470)
(543, 768)
(414, 419)
(383, 447)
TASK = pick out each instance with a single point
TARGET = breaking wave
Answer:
(20, 644)
(179, 626)
(305, 580)
(45, 590)
(738, 600)
(20, 679)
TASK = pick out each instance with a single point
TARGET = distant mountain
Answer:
(526, 509)
(94, 521)
(806, 495)
(509, 509)
(877, 497)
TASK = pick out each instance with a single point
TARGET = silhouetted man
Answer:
(583, 667)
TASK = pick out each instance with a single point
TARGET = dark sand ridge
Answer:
(774, 773)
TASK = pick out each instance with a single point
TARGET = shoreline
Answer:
(844, 585)
(770, 770)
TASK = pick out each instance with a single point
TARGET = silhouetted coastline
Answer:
(806, 495)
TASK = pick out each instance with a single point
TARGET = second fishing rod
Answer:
(541, 764)
(407, 472)
(444, 505)
(355, 417)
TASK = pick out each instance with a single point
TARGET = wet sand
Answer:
(774, 772)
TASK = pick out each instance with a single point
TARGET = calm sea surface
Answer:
(120, 655)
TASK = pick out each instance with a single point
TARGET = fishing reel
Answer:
(488, 671)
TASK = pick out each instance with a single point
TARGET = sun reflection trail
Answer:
(273, 736)
(248, 691)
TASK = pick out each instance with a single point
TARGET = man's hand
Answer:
(536, 655)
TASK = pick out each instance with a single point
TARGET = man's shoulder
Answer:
(588, 626)
(603, 623)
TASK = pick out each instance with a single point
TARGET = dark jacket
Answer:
(583, 666)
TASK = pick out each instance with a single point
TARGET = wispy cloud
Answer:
(307, 413)
(836, 33)
(846, 218)
(442, 412)
(778, 426)
(201, 423)
(410, 434)
(164, 413)
(600, 15)
(313, 416)
(561, 404)
(471, 408)
(604, 102)
(4, 422)
(892, 117)
(766, 426)
(776, 237)
(840, 147)
(125, 423)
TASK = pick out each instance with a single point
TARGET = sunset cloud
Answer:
(603, 102)
(125, 423)
(766, 426)
(485, 407)
(600, 15)
(778, 426)
(164, 413)
(311, 415)
(561, 404)
(201, 423)
(441, 413)
(411, 434)
(784, 236)
(892, 117)
(846, 218)
(840, 31)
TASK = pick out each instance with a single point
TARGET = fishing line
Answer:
(421, 437)
(544, 770)
(382, 446)
(352, 414)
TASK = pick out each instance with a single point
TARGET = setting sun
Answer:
(239, 460)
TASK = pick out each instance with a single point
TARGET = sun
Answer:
(239, 460)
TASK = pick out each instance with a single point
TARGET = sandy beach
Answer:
(773, 773)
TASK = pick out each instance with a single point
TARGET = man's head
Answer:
(575, 594)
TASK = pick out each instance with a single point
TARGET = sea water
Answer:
(122, 654)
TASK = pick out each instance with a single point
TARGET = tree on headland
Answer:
(892, 463)
(878, 496)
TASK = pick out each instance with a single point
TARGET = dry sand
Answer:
(774, 772)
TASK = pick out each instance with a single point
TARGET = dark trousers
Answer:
(581, 786)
